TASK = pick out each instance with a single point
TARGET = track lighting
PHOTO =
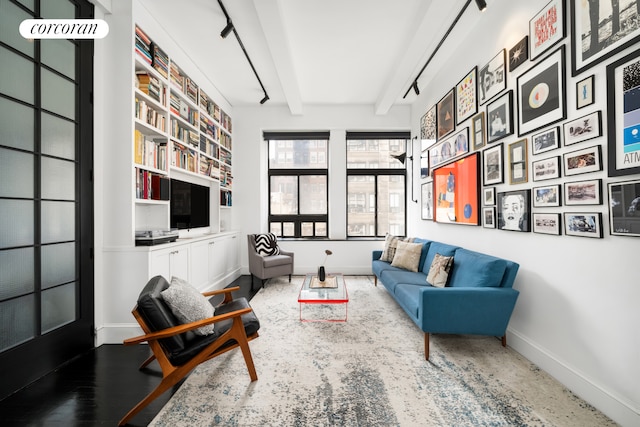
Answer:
(226, 30)
(482, 5)
(415, 88)
(265, 99)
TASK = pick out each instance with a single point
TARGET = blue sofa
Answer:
(478, 298)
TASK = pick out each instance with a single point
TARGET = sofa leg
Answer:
(289, 278)
(504, 340)
(375, 280)
(426, 346)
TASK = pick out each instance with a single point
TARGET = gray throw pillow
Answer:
(188, 305)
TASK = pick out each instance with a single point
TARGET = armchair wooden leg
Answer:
(426, 346)
(146, 362)
(504, 340)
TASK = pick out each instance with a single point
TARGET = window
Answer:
(376, 190)
(298, 183)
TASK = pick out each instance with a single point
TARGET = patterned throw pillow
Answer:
(439, 271)
(390, 244)
(407, 255)
(267, 244)
(188, 305)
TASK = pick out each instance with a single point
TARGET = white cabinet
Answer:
(215, 260)
(173, 261)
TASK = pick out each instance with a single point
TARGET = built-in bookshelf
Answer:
(179, 128)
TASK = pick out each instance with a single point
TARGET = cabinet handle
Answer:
(211, 243)
(173, 252)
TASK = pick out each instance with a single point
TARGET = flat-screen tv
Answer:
(189, 205)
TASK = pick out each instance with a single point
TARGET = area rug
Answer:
(368, 371)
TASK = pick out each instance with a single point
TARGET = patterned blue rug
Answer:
(369, 371)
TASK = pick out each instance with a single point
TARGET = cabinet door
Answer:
(234, 254)
(217, 259)
(171, 262)
(200, 264)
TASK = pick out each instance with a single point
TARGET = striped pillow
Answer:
(267, 244)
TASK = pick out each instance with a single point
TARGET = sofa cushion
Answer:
(437, 248)
(267, 244)
(390, 243)
(439, 271)
(393, 276)
(275, 260)
(407, 256)
(188, 305)
(473, 269)
(408, 296)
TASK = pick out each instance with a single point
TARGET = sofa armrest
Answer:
(375, 255)
(482, 310)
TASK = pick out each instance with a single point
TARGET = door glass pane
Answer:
(58, 221)
(10, 18)
(16, 125)
(58, 94)
(59, 54)
(360, 195)
(313, 194)
(16, 228)
(59, 9)
(16, 318)
(284, 195)
(16, 174)
(58, 137)
(58, 307)
(16, 272)
(58, 179)
(58, 264)
(17, 76)
(28, 3)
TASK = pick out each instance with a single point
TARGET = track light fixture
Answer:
(265, 99)
(226, 30)
(416, 89)
(482, 5)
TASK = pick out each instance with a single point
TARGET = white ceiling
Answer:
(310, 52)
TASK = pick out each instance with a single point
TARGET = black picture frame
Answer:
(585, 92)
(547, 196)
(547, 140)
(446, 122)
(519, 53)
(489, 196)
(546, 28)
(581, 193)
(500, 117)
(489, 217)
(493, 165)
(428, 125)
(582, 161)
(583, 224)
(478, 131)
(514, 210)
(518, 162)
(624, 208)
(424, 164)
(547, 223)
(583, 128)
(545, 169)
(492, 78)
(426, 210)
(467, 96)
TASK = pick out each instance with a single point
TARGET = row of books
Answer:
(149, 152)
(226, 180)
(209, 168)
(225, 198)
(209, 148)
(148, 185)
(151, 86)
(149, 115)
(209, 127)
(225, 121)
(183, 158)
(160, 61)
(225, 140)
(225, 156)
(143, 46)
(183, 134)
(182, 81)
(215, 111)
(180, 108)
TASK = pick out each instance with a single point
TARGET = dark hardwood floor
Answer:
(95, 389)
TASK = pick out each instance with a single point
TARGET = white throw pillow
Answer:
(439, 271)
(188, 305)
(407, 256)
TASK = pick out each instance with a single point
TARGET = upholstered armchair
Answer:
(266, 259)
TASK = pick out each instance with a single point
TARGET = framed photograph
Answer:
(546, 28)
(489, 196)
(583, 224)
(546, 140)
(427, 200)
(546, 168)
(467, 96)
(623, 90)
(583, 129)
(547, 223)
(600, 32)
(518, 171)
(548, 196)
(456, 191)
(514, 210)
(492, 165)
(477, 126)
(583, 192)
(582, 161)
(624, 208)
(446, 115)
(449, 149)
(500, 117)
(492, 78)
(489, 217)
(424, 164)
(519, 53)
(428, 125)
(541, 90)
(584, 92)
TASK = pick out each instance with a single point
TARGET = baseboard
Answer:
(116, 333)
(614, 407)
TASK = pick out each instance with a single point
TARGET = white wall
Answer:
(577, 314)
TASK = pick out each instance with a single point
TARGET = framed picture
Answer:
(624, 123)
(541, 91)
(546, 140)
(547, 223)
(584, 92)
(492, 78)
(492, 165)
(583, 129)
(456, 191)
(489, 217)
(427, 200)
(546, 28)
(477, 126)
(489, 196)
(500, 117)
(514, 211)
(518, 171)
(446, 115)
(467, 96)
(449, 149)
(624, 208)
(519, 53)
(424, 164)
(548, 196)
(600, 32)
(582, 161)
(583, 224)
(583, 192)
(428, 125)
(546, 168)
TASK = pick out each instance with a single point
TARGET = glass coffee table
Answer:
(332, 292)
